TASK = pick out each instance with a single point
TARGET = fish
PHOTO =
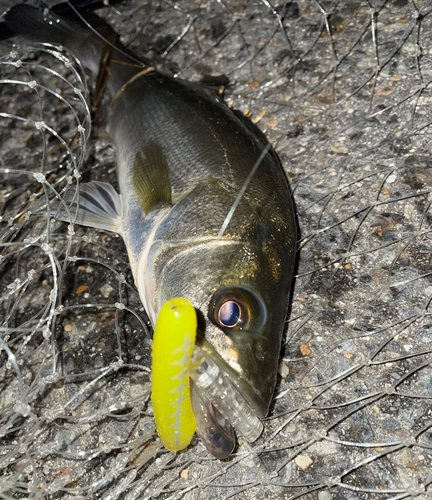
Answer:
(204, 208)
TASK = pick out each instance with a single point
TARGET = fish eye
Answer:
(237, 308)
(230, 311)
(229, 314)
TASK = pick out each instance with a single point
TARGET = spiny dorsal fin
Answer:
(150, 178)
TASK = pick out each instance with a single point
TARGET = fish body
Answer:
(182, 159)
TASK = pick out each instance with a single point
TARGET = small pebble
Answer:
(106, 290)
(271, 123)
(324, 495)
(303, 461)
(304, 349)
(283, 369)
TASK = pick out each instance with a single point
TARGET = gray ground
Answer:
(342, 89)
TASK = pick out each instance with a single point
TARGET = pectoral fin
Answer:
(150, 178)
(96, 204)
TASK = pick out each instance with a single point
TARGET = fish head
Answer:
(233, 286)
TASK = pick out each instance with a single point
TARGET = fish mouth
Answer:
(221, 410)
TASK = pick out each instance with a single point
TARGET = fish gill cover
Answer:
(342, 89)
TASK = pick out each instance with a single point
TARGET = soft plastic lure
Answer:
(173, 346)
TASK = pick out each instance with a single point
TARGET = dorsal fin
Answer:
(151, 179)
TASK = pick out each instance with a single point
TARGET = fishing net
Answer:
(342, 90)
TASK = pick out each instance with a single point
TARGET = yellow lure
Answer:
(173, 345)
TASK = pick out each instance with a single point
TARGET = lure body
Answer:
(173, 344)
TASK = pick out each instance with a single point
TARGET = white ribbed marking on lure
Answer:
(184, 362)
